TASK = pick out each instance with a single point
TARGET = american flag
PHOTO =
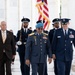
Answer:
(43, 10)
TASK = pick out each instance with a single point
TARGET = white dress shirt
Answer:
(66, 31)
(3, 35)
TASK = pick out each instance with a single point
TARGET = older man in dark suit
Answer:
(7, 49)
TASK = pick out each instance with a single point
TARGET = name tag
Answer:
(58, 36)
(71, 36)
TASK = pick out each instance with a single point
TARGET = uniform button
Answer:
(40, 39)
(65, 49)
(65, 40)
(40, 46)
(41, 49)
(65, 44)
(40, 42)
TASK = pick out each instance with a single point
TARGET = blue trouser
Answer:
(55, 67)
(25, 70)
(45, 73)
(38, 68)
(63, 67)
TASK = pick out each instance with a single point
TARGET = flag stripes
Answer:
(43, 10)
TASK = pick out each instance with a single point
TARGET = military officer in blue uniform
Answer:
(56, 23)
(37, 49)
(45, 31)
(62, 47)
(22, 36)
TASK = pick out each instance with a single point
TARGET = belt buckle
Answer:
(24, 42)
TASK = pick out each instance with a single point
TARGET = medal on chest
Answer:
(71, 35)
(35, 40)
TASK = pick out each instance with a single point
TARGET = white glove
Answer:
(19, 43)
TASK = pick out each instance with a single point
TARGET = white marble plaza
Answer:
(16, 69)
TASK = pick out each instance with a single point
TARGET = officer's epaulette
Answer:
(31, 34)
(45, 33)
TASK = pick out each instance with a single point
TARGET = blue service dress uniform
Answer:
(22, 36)
(62, 48)
(37, 48)
(51, 36)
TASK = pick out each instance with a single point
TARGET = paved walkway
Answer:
(16, 69)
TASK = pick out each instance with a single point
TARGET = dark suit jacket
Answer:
(24, 37)
(8, 46)
(62, 46)
(51, 33)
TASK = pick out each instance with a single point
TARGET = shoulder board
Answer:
(31, 34)
(45, 34)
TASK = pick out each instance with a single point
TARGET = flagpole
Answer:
(60, 10)
(18, 14)
(60, 14)
(42, 11)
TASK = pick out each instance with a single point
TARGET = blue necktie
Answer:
(65, 34)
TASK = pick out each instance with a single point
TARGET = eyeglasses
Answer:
(40, 28)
